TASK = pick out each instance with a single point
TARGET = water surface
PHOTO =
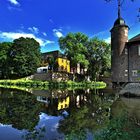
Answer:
(59, 114)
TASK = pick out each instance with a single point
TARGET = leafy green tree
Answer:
(4, 59)
(75, 46)
(99, 57)
(25, 56)
(93, 54)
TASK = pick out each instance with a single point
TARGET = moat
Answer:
(60, 114)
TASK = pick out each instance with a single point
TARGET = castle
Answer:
(125, 54)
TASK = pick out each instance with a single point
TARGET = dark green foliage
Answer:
(20, 58)
(79, 135)
(99, 57)
(120, 128)
(20, 110)
(4, 59)
(25, 56)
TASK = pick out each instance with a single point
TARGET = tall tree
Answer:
(25, 56)
(75, 46)
(99, 57)
(93, 54)
(4, 59)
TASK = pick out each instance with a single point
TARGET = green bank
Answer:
(23, 83)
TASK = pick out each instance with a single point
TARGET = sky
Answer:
(48, 20)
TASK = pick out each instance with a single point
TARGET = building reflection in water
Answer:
(56, 101)
(63, 103)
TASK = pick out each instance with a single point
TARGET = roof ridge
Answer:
(135, 38)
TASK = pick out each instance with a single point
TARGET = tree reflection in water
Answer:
(84, 111)
(35, 134)
(91, 113)
(20, 109)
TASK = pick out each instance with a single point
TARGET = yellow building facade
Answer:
(63, 64)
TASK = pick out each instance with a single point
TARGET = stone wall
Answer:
(134, 63)
(119, 57)
(43, 76)
(53, 76)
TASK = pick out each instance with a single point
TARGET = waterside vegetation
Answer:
(121, 127)
(23, 83)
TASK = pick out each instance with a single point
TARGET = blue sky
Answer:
(47, 20)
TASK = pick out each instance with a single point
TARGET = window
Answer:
(44, 98)
(126, 73)
(62, 68)
(126, 32)
(134, 73)
(44, 70)
(139, 50)
(126, 52)
(61, 106)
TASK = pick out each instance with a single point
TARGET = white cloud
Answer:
(57, 32)
(49, 42)
(44, 34)
(10, 36)
(108, 40)
(15, 2)
(34, 30)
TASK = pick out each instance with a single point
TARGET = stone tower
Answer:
(119, 56)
